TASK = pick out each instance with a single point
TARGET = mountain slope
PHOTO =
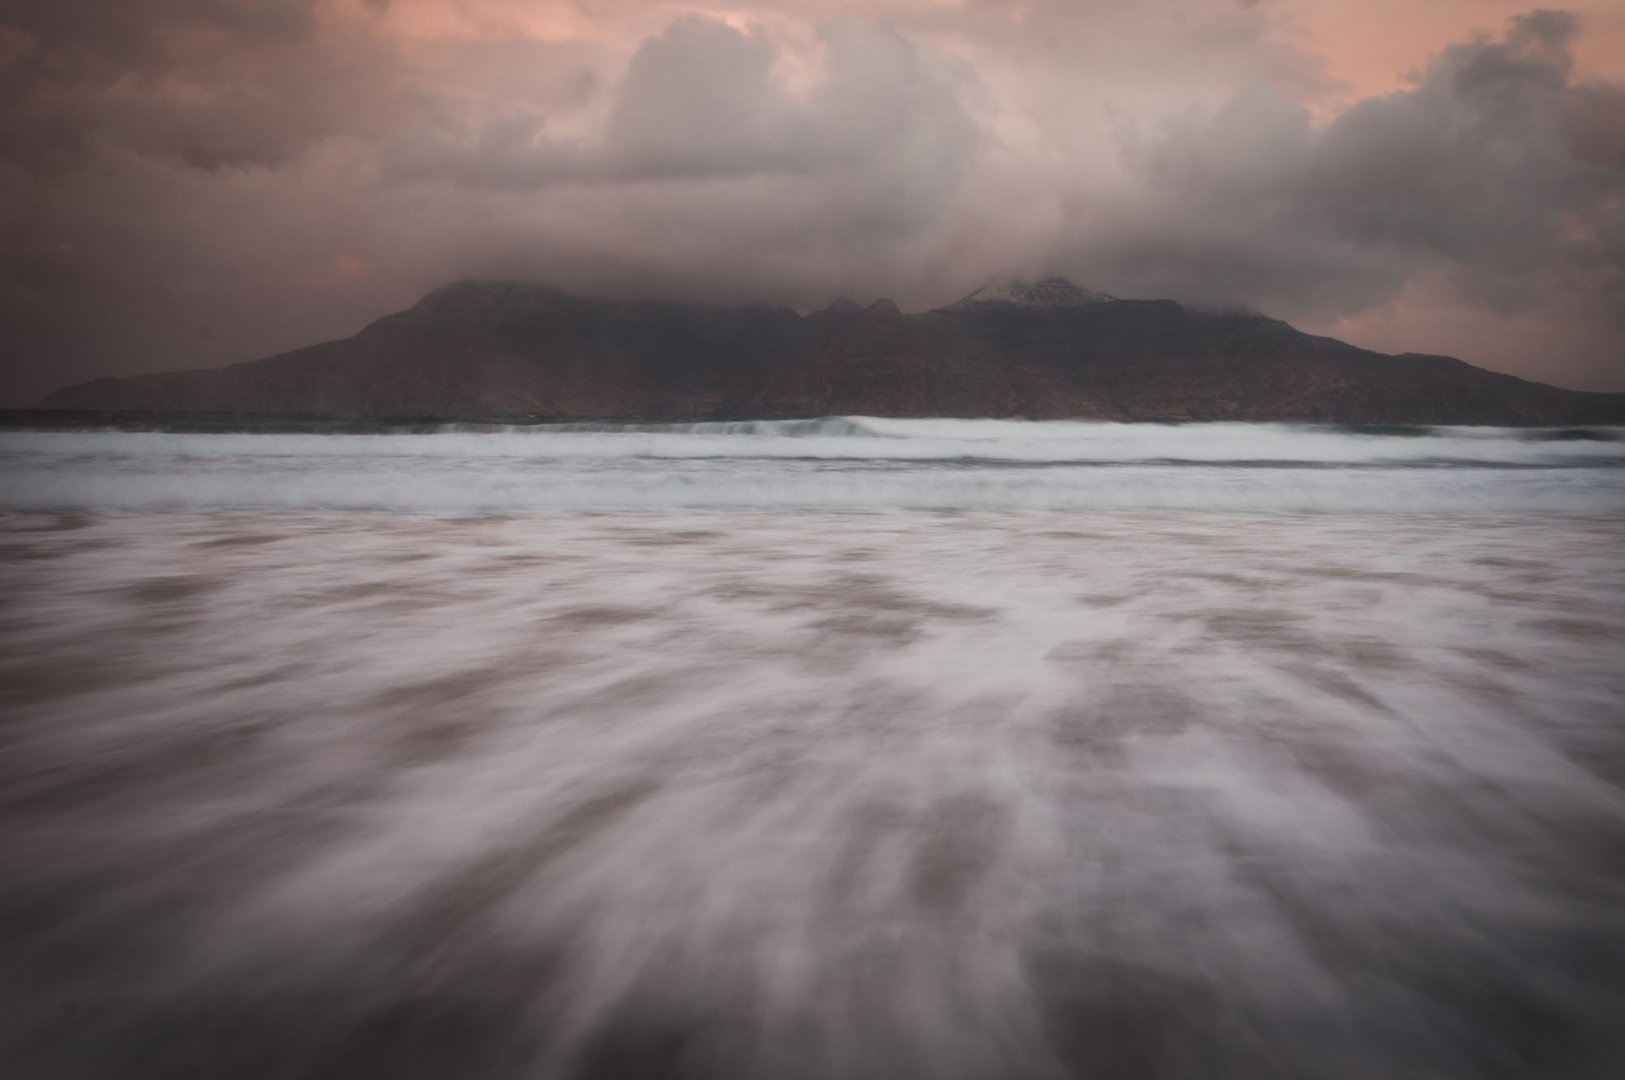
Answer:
(1043, 350)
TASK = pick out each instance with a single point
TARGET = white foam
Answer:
(880, 439)
(826, 789)
(844, 462)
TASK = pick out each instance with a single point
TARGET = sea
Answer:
(842, 748)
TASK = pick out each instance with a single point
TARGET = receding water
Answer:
(853, 749)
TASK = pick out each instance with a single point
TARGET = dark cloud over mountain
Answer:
(1496, 170)
(191, 182)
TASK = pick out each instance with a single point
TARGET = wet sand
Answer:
(857, 793)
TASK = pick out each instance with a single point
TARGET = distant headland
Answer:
(1042, 350)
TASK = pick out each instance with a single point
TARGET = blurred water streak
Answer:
(862, 793)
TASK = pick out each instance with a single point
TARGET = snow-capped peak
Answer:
(1051, 292)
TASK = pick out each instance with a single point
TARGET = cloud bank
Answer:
(194, 182)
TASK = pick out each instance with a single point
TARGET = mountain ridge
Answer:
(1041, 350)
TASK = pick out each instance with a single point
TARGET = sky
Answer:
(188, 183)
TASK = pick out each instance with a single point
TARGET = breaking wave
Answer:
(832, 463)
(867, 437)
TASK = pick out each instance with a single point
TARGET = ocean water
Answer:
(848, 748)
(839, 463)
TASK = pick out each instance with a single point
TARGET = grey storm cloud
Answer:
(193, 182)
(211, 83)
(1496, 170)
(706, 101)
(1493, 163)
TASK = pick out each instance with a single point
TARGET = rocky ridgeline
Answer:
(1045, 350)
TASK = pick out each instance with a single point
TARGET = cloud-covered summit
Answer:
(189, 182)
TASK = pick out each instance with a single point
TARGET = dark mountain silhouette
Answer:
(1043, 350)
